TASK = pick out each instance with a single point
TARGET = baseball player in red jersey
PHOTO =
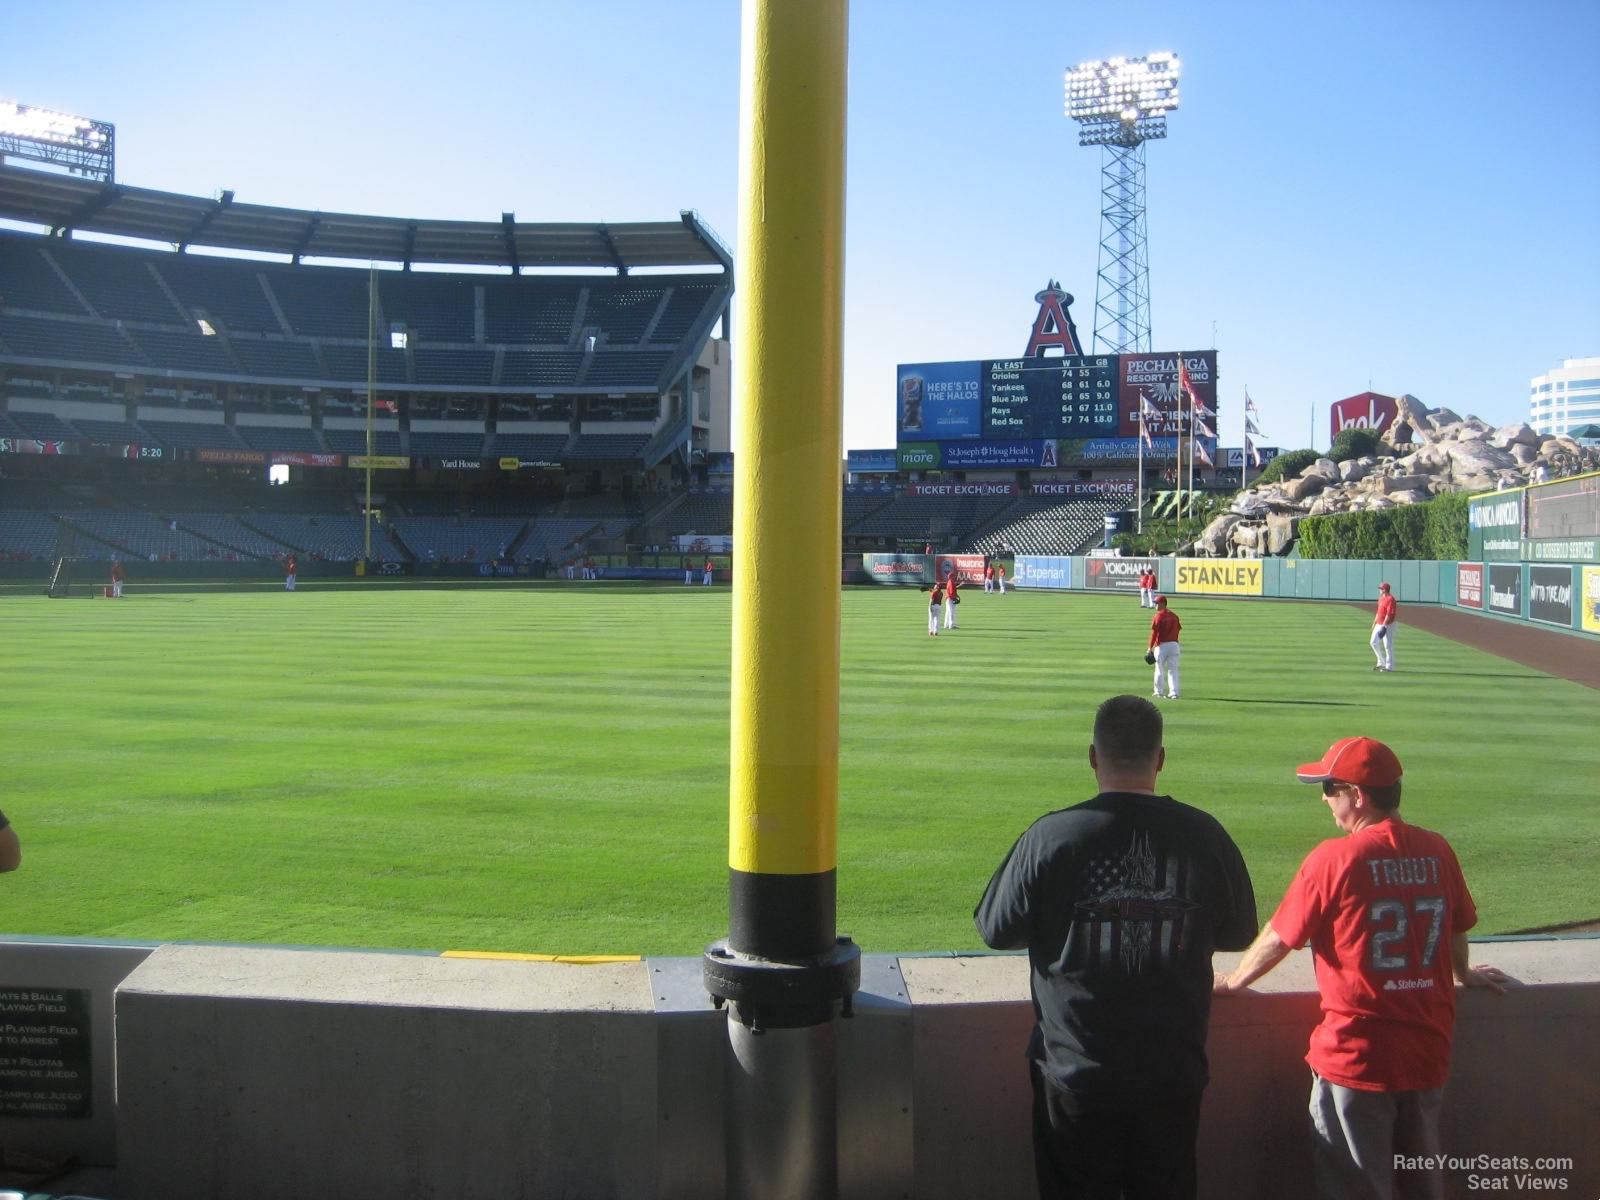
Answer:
(935, 602)
(1164, 627)
(1147, 589)
(291, 568)
(951, 599)
(1386, 912)
(117, 576)
(988, 577)
(1383, 629)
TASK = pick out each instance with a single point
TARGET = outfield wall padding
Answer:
(253, 1072)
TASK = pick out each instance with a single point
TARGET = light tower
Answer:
(1120, 104)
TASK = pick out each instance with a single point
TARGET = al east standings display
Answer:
(1028, 400)
(1006, 399)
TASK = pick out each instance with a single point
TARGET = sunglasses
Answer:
(1332, 787)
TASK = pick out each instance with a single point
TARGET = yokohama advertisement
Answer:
(1505, 589)
(1550, 595)
(1469, 585)
(1115, 574)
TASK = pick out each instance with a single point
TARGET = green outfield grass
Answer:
(544, 769)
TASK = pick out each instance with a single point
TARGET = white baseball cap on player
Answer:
(1363, 761)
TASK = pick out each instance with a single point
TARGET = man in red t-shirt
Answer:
(117, 576)
(1164, 628)
(1383, 629)
(1386, 913)
(1000, 577)
(290, 569)
(951, 599)
(935, 600)
(988, 577)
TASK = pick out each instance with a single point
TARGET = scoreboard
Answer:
(1068, 397)
(1004, 411)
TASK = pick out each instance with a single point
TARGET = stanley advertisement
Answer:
(1219, 577)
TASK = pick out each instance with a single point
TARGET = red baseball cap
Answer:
(1383, 587)
(1161, 600)
(1363, 761)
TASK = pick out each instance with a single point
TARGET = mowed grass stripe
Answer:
(545, 770)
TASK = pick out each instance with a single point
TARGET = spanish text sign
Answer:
(44, 1052)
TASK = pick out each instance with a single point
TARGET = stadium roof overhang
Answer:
(67, 204)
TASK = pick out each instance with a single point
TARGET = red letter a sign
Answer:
(1052, 327)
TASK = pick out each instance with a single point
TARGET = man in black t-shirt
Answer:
(1120, 902)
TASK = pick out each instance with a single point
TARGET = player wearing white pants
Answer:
(1164, 628)
(1383, 629)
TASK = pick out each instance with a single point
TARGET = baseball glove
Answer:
(1149, 658)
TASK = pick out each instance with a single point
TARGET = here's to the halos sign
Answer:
(1219, 577)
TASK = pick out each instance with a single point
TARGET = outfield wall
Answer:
(266, 1072)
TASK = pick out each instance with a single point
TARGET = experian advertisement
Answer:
(1041, 571)
(1116, 574)
(1469, 585)
(1212, 578)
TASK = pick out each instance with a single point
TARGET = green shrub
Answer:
(1286, 466)
(1354, 443)
(1436, 529)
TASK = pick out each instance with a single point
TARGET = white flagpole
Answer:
(1244, 444)
(1185, 499)
(1138, 499)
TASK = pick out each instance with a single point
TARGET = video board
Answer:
(1071, 397)
(1009, 399)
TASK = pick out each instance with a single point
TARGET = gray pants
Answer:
(1357, 1135)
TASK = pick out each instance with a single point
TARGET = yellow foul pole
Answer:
(782, 969)
(787, 507)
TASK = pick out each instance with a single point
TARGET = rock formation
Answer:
(1422, 454)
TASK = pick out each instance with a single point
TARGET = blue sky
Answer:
(1401, 194)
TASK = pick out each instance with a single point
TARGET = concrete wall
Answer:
(252, 1072)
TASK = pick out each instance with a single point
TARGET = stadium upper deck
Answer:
(592, 354)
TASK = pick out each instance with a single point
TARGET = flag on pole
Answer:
(1199, 448)
(1184, 383)
(1249, 404)
(1201, 429)
(1147, 413)
(1250, 426)
(1251, 452)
